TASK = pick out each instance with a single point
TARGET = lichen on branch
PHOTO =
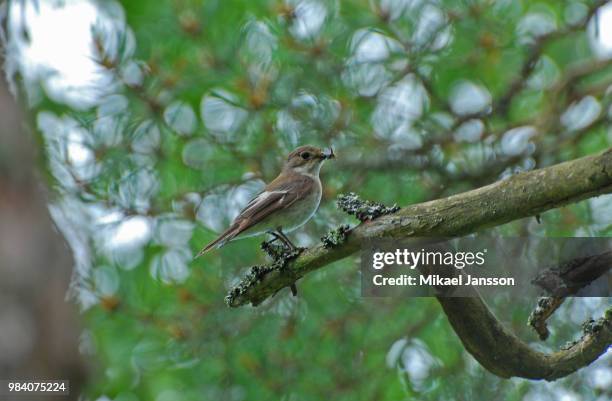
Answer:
(280, 255)
(545, 307)
(335, 237)
(364, 210)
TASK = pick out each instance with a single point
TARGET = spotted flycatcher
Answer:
(285, 204)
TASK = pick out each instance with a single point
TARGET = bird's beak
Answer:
(328, 154)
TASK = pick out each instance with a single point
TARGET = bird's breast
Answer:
(305, 208)
(302, 210)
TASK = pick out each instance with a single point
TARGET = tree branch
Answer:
(545, 308)
(573, 275)
(562, 281)
(503, 354)
(523, 195)
(484, 337)
(536, 51)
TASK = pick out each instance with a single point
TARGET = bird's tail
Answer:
(221, 240)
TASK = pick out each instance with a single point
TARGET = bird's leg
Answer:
(292, 250)
(274, 251)
(273, 234)
(287, 249)
(285, 240)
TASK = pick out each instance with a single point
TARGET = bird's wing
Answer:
(264, 203)
(278, 195)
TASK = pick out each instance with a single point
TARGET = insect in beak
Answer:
(329, 154)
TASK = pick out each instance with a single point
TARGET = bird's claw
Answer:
(273, 250)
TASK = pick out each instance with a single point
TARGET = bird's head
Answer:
(307, 159)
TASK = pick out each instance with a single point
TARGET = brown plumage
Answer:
(285, 204)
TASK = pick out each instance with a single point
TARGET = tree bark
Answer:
(505, 355)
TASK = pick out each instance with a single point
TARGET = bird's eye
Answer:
(305, 155)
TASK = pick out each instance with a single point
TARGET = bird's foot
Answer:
(273, 250)
(278, 252)
(287, 255)
(282, 259)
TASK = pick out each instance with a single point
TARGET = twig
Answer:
(545, 308)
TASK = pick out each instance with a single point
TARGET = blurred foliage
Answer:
(198, 102)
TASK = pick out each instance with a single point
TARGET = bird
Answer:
(285, 204)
